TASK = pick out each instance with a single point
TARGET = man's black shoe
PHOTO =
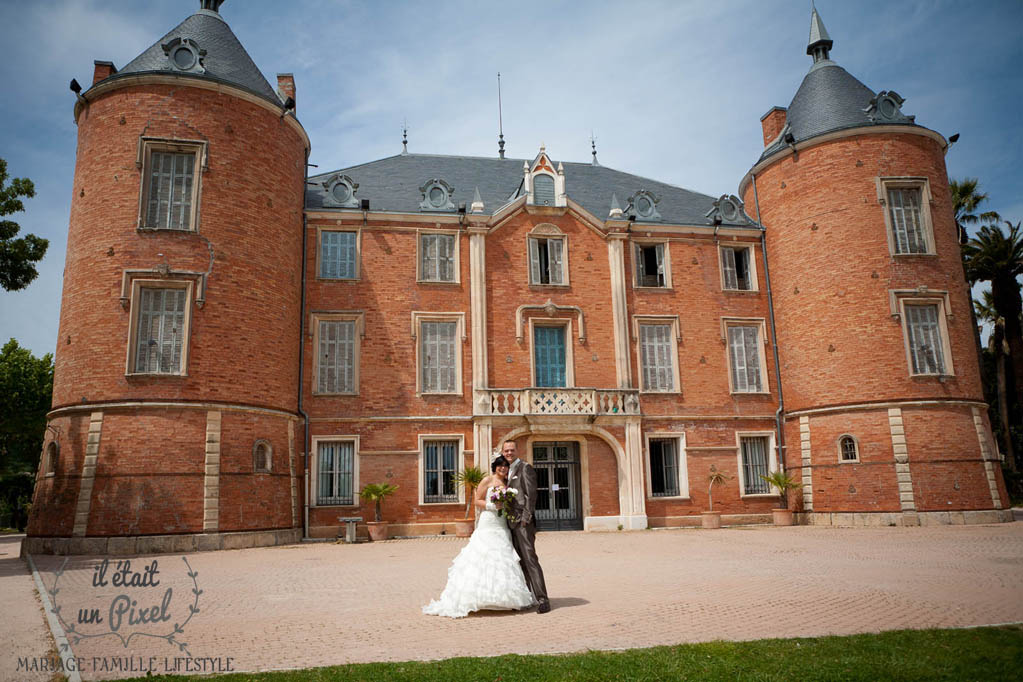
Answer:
(544, 607)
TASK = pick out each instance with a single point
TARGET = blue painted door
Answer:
(549, 356)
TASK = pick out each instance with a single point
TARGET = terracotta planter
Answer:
(464, 527)
(377, 530)
(782, 517)
(711, 519)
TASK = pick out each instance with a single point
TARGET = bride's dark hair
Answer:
(500, 461)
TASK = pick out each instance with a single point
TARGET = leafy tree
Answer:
(17, 256)
(26, 390)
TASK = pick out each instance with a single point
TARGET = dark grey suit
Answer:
(522, 477)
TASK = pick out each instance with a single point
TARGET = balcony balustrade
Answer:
(500, 402)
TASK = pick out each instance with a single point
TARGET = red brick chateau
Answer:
(243, 347)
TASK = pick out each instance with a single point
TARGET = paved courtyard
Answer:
(320, 604)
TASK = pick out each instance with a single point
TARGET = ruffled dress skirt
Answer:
(485, 575)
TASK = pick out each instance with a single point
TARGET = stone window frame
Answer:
(856, 449)
(566, 323)
(51, 455)
(762, 344)
(683, 463)
(320, 229)
(423, 438)
(899, 298)
(143, 161)
(676, 328)
(314, 469)
(772, 462)
(885, 183)
(133, 323)
(418, 317)
(638, 245)
(359, 317)
(752, 272)
(257, 465)
(456, 254)
(547, 231)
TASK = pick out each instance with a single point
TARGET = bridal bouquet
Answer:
(504, 499)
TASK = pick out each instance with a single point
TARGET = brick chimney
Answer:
(286, 86)
(102, 70)
(773, 121)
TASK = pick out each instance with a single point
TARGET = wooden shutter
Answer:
(446, 257)
(556, 249)
(427, 257)
(745, 359)
(925, 345)
(728, 268)
(169, 204)
(549, 356)
(534, 261)
(160, 335)
(907, 231)
(336, 357)
(661, 278)
(655, 355)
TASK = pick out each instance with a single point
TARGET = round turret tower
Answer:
(177, 364)
(884, 414)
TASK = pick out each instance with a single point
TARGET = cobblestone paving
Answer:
(310, 605)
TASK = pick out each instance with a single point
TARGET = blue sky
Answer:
(671, 90)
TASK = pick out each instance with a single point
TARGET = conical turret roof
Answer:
(217, 54)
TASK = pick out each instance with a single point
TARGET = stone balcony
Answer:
(531, 402)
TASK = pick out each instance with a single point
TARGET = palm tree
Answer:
(997, 257)
(965, 201)
(998, 348)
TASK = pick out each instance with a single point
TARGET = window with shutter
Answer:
(438, 357)
(925, 346)
(906, 221)
(549, 357)
(169, 197)
(546, 261)
(440, 470)
(338, 255)
(656, 357)
(736, 268)
(160, 330)
(336, 473)
(543, 190)
(744, 358)
(336, 357)
(437, 258)
(754, 464)
(650, 268)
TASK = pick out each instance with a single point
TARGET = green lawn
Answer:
(994, 653)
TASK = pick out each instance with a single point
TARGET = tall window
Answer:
(169, 192)
(656, 357)
(906, 220)
(924, 331)
(337, 356)
(335, 473)
(550, 357)
(440, 467)
(735, 267)
(437, 257)
(160, 330)
(438, 357)
(650, 268)
(754, 464)
(338, 255)
(546, 261)
(664, 467)
(744, 357)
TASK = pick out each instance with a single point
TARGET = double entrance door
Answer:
(558, 493)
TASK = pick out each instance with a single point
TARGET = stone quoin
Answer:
(243, 346)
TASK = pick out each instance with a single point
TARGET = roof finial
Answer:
(404, 137)
(477, 202)
(212, 5)
(820, 42)
(593, 146)
(500, 120)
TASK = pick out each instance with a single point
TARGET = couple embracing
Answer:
(498, 569)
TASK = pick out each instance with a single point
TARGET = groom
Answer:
(522, 477)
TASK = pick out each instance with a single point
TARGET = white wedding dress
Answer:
(485, 575)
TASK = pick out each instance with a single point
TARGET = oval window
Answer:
(438, 197)
(342, 192)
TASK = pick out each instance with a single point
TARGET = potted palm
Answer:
(470, 477)
(711, 518)
(376, 492)
(784, 483)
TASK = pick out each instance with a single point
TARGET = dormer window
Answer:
(544, 185)
(644, 204)
(340, 190)
(543, 190)
(436, 196)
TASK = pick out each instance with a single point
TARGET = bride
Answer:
(486, 574)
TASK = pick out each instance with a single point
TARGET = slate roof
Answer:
(392, 184)
(225, 60)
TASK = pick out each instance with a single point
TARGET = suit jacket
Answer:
(522, 477)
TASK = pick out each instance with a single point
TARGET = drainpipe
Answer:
(778, 425)
(301, 359)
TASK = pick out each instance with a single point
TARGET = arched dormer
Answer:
(544, 185)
